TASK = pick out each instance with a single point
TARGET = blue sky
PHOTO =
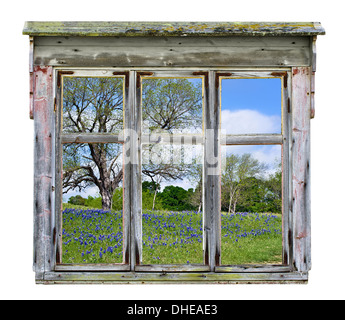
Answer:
(263, 95)
(251, 106)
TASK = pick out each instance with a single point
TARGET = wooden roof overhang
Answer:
(127, 29)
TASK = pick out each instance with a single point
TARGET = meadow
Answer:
(169, 237)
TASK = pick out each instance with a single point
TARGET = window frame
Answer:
(283, 139)
(168, 139)
(132, 105)
(46, 225)
(212, 47)
(94, 138)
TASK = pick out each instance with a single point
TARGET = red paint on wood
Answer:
(43, 121)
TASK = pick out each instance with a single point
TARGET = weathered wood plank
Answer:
(212, 174)
(198, 56)
(172, 268)
(313, 52)
(312, 95)
(170, 28)
(254, 268)
(286, 169)
(43, 124)
(135, 156)
(58, 178)
(252, 139)
(301, 168)
(170, 42)
(180, 139)
(312, 76)
(127, 172)
(91, 138)
(92, 267)
(201, 277)
(32, 79)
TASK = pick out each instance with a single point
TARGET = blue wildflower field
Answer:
(96, 236)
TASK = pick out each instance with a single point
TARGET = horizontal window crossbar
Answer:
(91, 138)
(252, 139)
(254, 268)
(179, 139)
(173, 268)
(92, 267)
(188, 139)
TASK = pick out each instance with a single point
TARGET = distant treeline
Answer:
(257, 195)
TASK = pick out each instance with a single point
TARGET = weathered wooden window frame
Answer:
(295, 68)
(283, 139)
(76, 138)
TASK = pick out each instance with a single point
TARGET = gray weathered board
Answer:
(172, 51)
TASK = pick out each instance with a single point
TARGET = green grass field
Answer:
(96, 236)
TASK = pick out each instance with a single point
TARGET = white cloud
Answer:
(268, 154)
(249, 121)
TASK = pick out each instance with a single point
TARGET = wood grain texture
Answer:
(301, 168)
(155, 277)
(43, 126)
(172, 52)
(170, 28)
(212, 174)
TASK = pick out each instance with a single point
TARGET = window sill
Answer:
(177, 278)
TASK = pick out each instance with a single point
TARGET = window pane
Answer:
(251, 200)
(172, 105)
(172, 197)
(251, 106)
(92, 217)
(92, 105)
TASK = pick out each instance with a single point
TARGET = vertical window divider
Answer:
(128, 98)
(286, 186)
(212, 174)
(57, 240)
(135, 175)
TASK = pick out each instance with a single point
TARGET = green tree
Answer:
(92, 105)
(274, 190)
(94, 202)
(238, 169)
(95, 105)
(253, 196)
(172, 104)
(117, 201)
(176, 198)
(77, 200)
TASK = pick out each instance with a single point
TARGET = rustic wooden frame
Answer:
(214, 50)
(168, 139)
(75, 138)
(281, 139)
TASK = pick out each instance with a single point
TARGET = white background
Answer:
(16, 178)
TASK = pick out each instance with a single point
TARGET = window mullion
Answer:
(252, 139)
(57, 256)
(212, 174)
(135, 126)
